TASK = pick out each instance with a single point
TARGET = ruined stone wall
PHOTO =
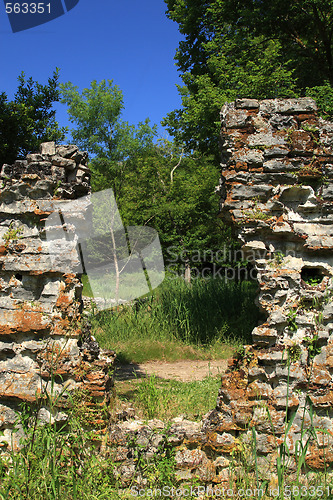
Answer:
(41, 334)
(277, 193)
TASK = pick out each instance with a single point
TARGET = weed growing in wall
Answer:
(292, 325)
(12, 234)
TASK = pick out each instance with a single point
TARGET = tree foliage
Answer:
(174, 193)
(155, 183)
(246, 48)
(303, 27)
(323, 95)
(9, 130)
(29, 119)
(96, 113)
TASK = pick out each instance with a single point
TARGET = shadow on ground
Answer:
(129, 371)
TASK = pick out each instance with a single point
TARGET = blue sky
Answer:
(128, 41)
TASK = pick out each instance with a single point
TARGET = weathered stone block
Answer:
(48, 148)
(290, 222)
(40, 304)
(247, 104)
(234, 118)
(241, 192)
(287, 106)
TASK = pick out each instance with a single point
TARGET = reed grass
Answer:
(56, 460)
(210, 315)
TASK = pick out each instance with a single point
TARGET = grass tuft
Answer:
(153, 397)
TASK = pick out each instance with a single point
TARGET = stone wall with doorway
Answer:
(277, 194)
(276, 396)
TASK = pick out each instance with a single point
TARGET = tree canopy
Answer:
(248, 48)
(99, 128)
(29, 119)
(174, 193)
(154, 181)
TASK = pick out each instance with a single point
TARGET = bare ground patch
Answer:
(183, 371)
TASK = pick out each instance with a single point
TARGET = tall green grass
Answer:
(167, 399)
(204, 313)
(56, 460)
(208, 309)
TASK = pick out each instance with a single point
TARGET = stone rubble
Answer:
(40, 298)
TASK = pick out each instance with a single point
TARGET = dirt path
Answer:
(184, 371)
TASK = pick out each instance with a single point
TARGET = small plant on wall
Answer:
(312, 343)
(294, 352)
(310, 170)
(12, 234)
(311, 276)
(292, 325)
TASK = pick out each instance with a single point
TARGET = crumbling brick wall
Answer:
(41, 333)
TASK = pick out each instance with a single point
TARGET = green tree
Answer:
(114, 145)
(96, 112)
(247, 48)
(155, 183)
(303, 27)
(29, 119)
(174, 193)
(9, 131)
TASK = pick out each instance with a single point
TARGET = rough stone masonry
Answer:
(277, 193)
(41, 336)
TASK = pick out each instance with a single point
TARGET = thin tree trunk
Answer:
(187, 275)
(115, 259)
